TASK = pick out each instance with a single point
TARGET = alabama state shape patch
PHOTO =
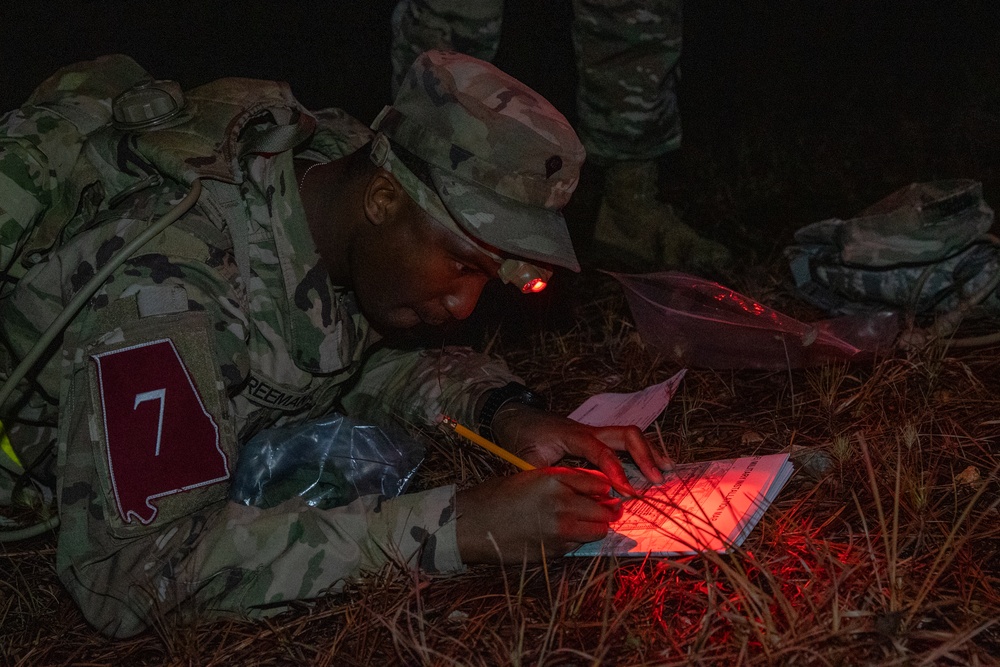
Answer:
(160, 438)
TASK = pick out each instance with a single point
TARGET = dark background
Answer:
(745, 64)
(793, 111)
(806, 53)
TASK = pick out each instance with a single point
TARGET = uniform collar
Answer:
(318, 324)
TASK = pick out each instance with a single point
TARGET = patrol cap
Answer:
(500, 161)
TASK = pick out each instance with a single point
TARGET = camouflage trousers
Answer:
(627, 54)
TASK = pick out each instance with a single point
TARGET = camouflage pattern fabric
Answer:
(183, 355)
(627, 55)
(499, 160)
(938, 287)
(922, 249)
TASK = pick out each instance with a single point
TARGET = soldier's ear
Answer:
(383, 197)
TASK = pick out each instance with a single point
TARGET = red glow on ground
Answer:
(694, 597)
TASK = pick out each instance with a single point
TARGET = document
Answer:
(636, 409)
(707, 506)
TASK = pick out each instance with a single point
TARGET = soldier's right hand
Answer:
(550, 511)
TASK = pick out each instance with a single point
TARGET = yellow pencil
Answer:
(475, 438)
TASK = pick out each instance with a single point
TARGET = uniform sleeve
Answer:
(232, 558)
(147, 445)
(418, 386)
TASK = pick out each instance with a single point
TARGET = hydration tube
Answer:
(63, 319)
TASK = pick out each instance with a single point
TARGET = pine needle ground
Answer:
(884, 553)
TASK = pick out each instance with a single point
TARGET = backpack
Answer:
(924, 250)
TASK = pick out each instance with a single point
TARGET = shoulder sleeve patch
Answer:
(160, 438)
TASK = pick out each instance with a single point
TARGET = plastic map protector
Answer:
(705, 506)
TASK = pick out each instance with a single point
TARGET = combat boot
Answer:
(638, 232)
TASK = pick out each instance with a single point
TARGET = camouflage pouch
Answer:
(923, 249)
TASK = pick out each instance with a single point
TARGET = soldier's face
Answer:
(414, 271)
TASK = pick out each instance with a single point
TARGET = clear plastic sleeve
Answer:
(701, 323)
(329, 462)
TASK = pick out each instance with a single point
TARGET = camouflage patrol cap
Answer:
(500, 160)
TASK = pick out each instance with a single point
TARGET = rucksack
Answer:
(925, 250)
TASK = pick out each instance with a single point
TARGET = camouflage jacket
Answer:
(182, 355)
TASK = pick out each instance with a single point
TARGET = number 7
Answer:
(156, 394)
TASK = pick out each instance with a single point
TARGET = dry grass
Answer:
(890, 556)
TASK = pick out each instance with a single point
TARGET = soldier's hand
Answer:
(542, 438)
(546, 511)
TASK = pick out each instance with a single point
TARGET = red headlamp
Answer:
(526, 277)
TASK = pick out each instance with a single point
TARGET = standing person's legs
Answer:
(628, 55)
(468, 26)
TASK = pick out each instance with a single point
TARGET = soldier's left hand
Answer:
(543, 438)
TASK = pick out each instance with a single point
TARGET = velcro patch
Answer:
(161, 440)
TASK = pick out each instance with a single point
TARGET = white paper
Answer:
(639, 408)
(707, 506)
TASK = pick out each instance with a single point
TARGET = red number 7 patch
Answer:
(160, 438)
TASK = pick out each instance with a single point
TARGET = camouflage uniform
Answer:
(183, 354)
(627, 55)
